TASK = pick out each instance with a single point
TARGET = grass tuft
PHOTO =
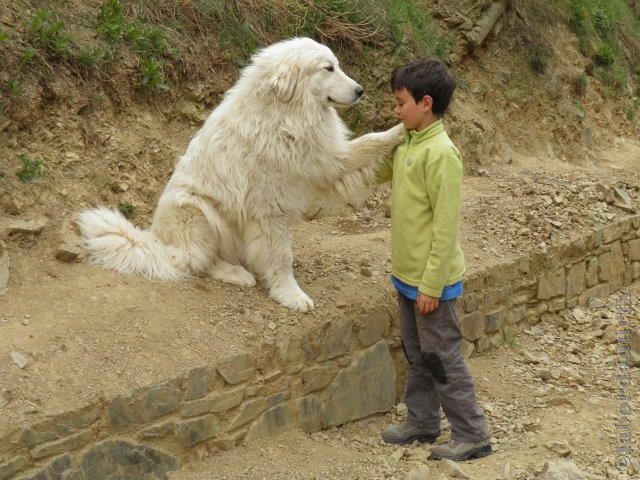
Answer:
(14, 87)
(127, 209)
(30, 169)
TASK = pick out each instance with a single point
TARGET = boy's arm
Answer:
(444, 186)
(385, 171)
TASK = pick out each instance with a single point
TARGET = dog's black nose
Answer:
(359, 91)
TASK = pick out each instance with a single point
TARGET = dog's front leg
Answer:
(370, 149)
(268, 252)
(364, 158)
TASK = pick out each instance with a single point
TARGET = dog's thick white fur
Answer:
(272, 146)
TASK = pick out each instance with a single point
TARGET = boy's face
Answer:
(414, 116)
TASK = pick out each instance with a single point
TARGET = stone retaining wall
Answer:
(338, 371)
(499, 300)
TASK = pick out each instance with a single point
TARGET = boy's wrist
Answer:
(430, 292)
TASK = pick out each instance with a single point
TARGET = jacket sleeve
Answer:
(444, 190)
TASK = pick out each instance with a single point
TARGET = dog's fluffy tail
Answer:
(113, 242)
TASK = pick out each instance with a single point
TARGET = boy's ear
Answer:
(427, 103)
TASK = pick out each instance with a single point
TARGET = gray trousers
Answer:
(438, 375)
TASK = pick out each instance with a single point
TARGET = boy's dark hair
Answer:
(426, 76)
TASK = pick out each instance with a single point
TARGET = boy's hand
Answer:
(425, 303)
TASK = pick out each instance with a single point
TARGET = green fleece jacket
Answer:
(426, 182)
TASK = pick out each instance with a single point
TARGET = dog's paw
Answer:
(244, 279)
(295, 300)
(234, 274)
(396, 134)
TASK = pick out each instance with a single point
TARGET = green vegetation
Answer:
(119, 45)
(30, 169)
(110, 22)
(15, 87)
(152, 77)
(609, 33)
(539, 58)
(605, 55)
(581, 83)
(148, 42)
(181, 37)
(127, 209)
(29, 55)
(631, 110)
(186, 38)
(510, 341)
(91, 59)
(45, 31)
(579, 107)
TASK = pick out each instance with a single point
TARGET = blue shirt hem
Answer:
(449, 292)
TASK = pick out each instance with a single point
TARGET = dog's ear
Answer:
(285, 81)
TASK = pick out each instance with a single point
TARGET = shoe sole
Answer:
(420, 438)
(475, 453)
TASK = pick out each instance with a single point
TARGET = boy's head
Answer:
(423, 90)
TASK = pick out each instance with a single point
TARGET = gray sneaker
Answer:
(458, 451)
(405, 433)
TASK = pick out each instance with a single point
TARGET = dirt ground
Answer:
(87, 330)
(553, 394)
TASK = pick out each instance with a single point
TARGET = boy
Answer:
(428, 267)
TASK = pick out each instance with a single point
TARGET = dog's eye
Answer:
(329, 68)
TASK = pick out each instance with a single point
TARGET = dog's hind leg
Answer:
(225, 264)
(230, 273)
(268, 252)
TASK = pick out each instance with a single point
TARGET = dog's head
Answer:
(302, 68)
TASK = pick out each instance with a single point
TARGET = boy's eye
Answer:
(329, 68)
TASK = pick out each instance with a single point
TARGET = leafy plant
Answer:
(30, 169)
(15, 87)
(152, 77)
(45, 31)
(539, 59)
(127, 209)
(581, 83)
(602, 21)
(28, 55)
(91, 58)
(510, 341)
(110, 21)
(605, 55)
(146, 41)
(578, 106)
(630, 111)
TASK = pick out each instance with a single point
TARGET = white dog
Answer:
(272, 146)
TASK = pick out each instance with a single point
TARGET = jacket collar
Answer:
(431, 131)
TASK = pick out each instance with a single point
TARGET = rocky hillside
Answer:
(533, 75)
